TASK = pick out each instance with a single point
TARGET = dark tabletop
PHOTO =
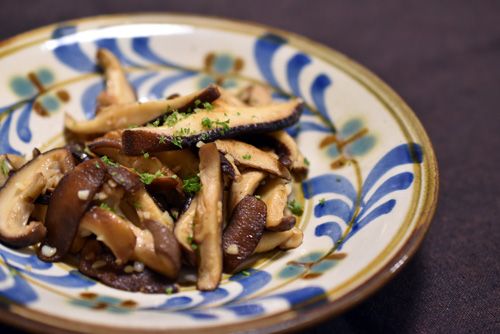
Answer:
(443, 58)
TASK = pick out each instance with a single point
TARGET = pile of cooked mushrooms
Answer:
(145, 189)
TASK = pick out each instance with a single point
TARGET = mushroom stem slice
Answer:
(209, 125)
(112, 230)
(118, 90)
(166, 247)
(243, 232)
(284, 240)
(256, 95)
(148, 210)
(183, 230)
(275, 195)
(20, 192)
(67, 206)
(125, 115)
(208, 219)
(245, 185)
(288, 150)
(249, 156)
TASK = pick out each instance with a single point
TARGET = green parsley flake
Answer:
(224, 125)
(204, 136)
(162, 140)
(106, 207)
(306, 162)
(155, 124)
(208, 106)
(245, 273)
(108, 161)
(247, 156)
(191, 185)
(169, 290)
(322, 202)
(207, 122)
(173, 118)
(197, 102)
(177, 141)
(258, 196)
(295, 207)
(148, 178)
(5, 168)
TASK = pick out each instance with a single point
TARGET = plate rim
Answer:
(289, 320)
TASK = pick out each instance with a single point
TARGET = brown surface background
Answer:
(443, 58)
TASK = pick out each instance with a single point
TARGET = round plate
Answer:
(369, 197)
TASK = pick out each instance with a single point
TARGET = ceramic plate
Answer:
(369, 197)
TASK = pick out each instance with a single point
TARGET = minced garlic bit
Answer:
(232, 249)
(138, 266)
(199, 144)
(83, 194)
(112, 183)
(85, 233)
(146, 214)
(101, 196)
(48, 251)
(98, 264)
(128, 269)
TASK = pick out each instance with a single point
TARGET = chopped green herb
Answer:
(132, 126)
(146, 155)
(322, 202)
(191, 185)
(208, 106)
(169, 290)
(162, 140)
(108, 161)
(245, 273)
(173, 118)
(247, 156)
(258, 196)
(97, 165)
(223, 124)
(306, 162)
(238, 113)
(155, 124)
(204, 136)
(194, 246)
(106, 207)
(177, 141)
(137, 205)
(207, 122)
(295, 207)
(5, 168)
(148, 178)
(197, 102)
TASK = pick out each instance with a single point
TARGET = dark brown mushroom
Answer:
(243, 232)
(166, 246)
(209, 125)
(249, 156)
(121, 116)
(208, 219)
(20, 192)
(69, 201)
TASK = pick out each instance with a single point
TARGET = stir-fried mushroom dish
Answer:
(148, 191)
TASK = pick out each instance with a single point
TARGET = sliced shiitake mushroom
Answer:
(68, 203)
(243, 232)
(283, 240)
(208, 219)
(112, 231)
(256, 95)
(209, 125)
(183, 231)
(125, 115)
(249, 156)
(182, 162)
(118, 89)
(275, 194)
(20, 192)
(289, 153)
(245, 185)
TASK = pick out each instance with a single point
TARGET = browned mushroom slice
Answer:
(275, 194)
(22, 189)
(289, 153)
(125, 115)
(182, 162)
(148, 210)
(209, 125)
(229, 167)
(118, 90)
(183, 231)
(244, 232)
(208, 219)
(251, 157)
(245, 185)
(69, 201)
(228, 99)
(166, 246)
(112, 231)
(9, 164)
(283, 240)
(256, 95)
